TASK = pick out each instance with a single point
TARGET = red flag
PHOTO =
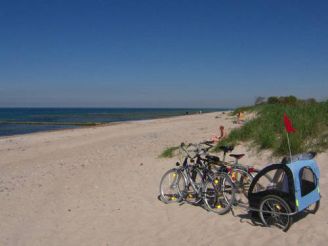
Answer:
(288, 124)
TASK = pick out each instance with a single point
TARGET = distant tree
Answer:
(259, 100)
(282, 100)
(273, 100)
(310, 101)
(290, 100)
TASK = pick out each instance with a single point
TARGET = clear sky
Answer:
(161, 53)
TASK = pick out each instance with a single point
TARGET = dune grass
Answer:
(168, 152)
(267, 130)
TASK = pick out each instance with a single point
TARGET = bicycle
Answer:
(194, 181)
(240, 175)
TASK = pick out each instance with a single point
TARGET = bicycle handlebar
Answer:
(198, 147)
(184, 148)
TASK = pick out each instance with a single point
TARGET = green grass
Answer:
(168, 152)
(267, 130)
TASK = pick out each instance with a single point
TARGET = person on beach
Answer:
(240, 118)
(219, 138)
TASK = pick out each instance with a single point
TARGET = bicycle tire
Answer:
(191, 195)
(272, 203)
(242, 181)
(219, 194)
(175, 195)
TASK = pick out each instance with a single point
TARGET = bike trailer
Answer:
(295, 184)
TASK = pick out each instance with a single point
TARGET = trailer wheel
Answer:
(274, 212)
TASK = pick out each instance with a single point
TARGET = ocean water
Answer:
(27, 120)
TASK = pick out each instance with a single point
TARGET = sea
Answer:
(15, 121)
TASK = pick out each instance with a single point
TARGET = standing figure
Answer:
(240, 118)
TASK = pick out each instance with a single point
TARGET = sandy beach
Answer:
(99, 186)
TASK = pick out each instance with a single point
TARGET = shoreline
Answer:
(100, 125)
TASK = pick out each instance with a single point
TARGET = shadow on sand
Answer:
(248, 217)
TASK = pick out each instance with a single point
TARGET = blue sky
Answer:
(167, 53)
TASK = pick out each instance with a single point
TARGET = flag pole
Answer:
(290, 152)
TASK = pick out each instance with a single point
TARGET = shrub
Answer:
(168, 152)
(273, 100)
(290, 100)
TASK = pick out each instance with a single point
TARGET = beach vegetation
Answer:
(169, 152)
(266, 130)
(273, 100)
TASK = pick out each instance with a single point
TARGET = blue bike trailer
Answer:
(306, 176)
(296, 182)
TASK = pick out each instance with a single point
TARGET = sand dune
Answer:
(99, 186)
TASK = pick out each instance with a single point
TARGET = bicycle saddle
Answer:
(237, 156)
(212, 159)
(226, 148)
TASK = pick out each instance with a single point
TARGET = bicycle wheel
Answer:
(171, 186)
(195, 186)
(242, 181)
(274, 212)
(219, 194)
